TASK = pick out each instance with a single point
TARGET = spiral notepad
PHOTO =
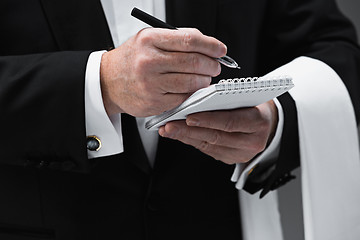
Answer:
(225, 95)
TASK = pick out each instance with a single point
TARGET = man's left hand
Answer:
(232, 136)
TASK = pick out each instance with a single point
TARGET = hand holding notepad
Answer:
(227, 94)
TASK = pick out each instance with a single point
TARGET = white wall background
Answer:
(351, 8)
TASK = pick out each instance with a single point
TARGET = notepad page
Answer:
(224, 97)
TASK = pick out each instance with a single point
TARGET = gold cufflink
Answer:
(93, 143)
(251, 170)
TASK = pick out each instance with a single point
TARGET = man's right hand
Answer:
(157, 69)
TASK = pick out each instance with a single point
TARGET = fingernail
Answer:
(192, 121)
(202, 83)
(223, 49)
(218, 69)
(162, 131)
(170, 133)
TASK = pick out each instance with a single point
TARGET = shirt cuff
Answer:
(98, 123)
(270, 154)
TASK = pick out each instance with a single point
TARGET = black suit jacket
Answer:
(50, 190)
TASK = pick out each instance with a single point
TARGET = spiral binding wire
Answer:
(251, 84)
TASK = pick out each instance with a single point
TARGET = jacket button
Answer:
(282, 180)
(152, 206)
(251, 170)
(43, 164)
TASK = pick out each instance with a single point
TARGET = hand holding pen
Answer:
(157, 69)
(155, 22)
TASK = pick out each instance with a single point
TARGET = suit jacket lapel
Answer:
(78, 25)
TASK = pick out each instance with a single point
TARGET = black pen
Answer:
(157, 23)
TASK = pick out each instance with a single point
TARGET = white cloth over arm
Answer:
(329, 156)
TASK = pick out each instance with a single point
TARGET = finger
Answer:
(182, 82)
(186, 40)
(254, 142)
(246, 120)
(222, 153)
(180, 62)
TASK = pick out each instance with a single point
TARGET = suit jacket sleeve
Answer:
(41, 108)
(44, 50)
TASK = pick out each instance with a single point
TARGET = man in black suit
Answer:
(52, 190)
